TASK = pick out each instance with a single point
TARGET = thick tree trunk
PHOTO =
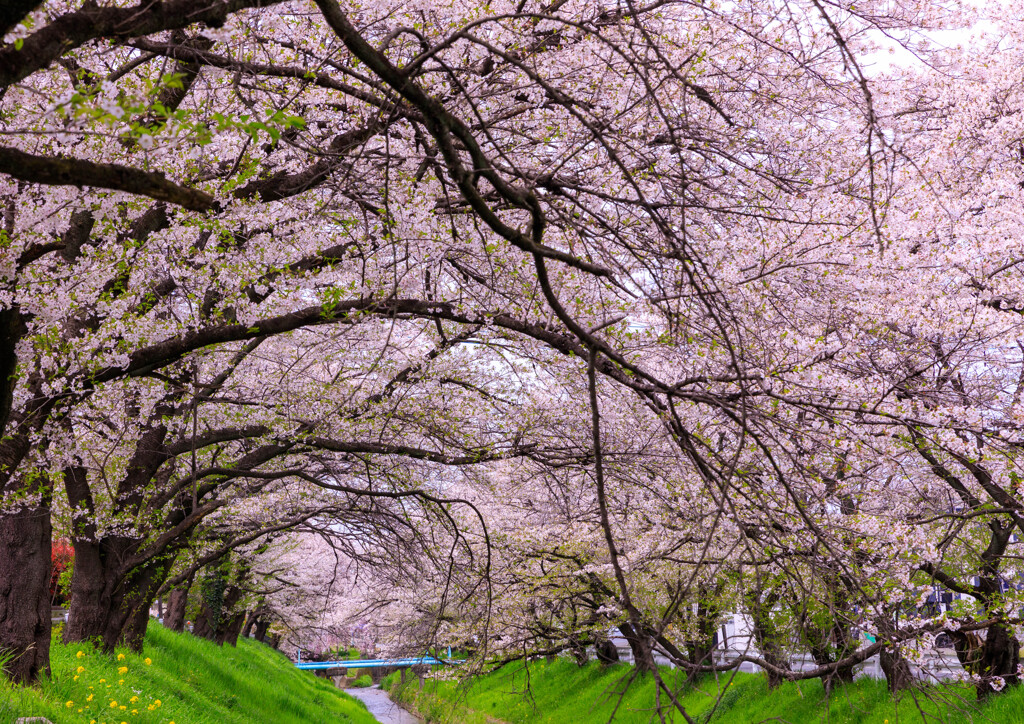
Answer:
(261, 629)
(898, 675)
(230, 621)
(641, 646)
(205, 625)
(229, 633)
(177, 603)
(578, 648)
(770, 641)
(701, 647)
(131, 616)
(134, 632)
(822, 656)
(606, 652)
(25, 539)
(109, 607)
(250, 621)
(1000, 656)
(828, 647)
(211, 606)
(90, 600)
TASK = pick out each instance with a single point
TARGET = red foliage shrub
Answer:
(62, 555)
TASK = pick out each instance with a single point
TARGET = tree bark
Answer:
(898, 675)
(131, 616)
(231, 629)
(261, 629)
(25, 539)
(642, 647)
(230, 621)
(177, 603)
(211, 605)
(250, 621)
(90, 600)
(109, 607)
(1000, 656)
(767, 636)
(700, 648)
(606, 652)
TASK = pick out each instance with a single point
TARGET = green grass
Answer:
(560, 692)
(195, 681)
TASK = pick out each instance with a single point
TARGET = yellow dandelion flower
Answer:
(147, 661)
(76, 677)
(135, 711)
(121, 682)
(103, 681)
(113, 703)
(69, 703)
(120, 657)
(122, 670)
(80, 654)
(134, 699)
(123, 707)
(156, 702)
(80, 669)
(150, 707)
(89, 698)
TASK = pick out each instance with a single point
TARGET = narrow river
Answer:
(386, 711)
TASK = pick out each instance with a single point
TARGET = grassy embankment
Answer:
(562, 693)
(188, 681)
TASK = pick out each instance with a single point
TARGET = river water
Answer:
(386, 711)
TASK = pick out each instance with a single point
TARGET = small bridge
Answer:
(378, 663)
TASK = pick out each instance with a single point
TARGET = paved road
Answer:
(386, 711)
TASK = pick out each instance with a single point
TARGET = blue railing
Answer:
(378, 663)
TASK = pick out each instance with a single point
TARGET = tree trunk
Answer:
(109, 606)
(898, 675)
(230, 621)
(828, 647)
(578, 649)
(1000, 656)
(250, 621)
(177, 604)
(606, 652)
(770, 641)
(25, 539)
(90, 604)
(205, 625)
(261, 629)
(968, 649)
(701, 647)
(211, 604)
(642, 647)
(231, 629)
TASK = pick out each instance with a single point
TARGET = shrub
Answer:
(62, 563)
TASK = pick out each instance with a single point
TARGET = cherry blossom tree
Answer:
(734, 300)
